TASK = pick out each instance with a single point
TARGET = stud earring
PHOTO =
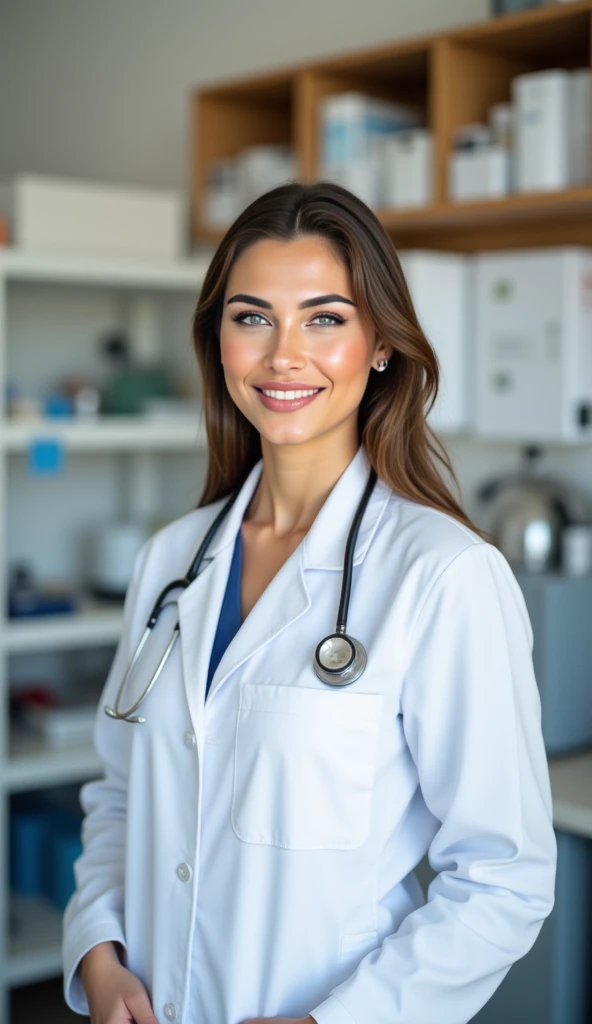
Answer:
(382, 365)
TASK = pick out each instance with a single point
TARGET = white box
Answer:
(408, 174)
(478, 173)
(62, 726)
(580, 112)
(260, 168)
(534, 345)
(350, 120)
(58, 214)
(362, 176)
(543, 150)
(440, 286)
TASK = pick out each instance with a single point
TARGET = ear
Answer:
(381, 351)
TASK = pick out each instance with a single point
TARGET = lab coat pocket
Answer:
(304, 765)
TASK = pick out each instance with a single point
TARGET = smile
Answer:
(289, 396)
(277, 400)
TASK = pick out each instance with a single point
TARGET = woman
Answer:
(250, 853)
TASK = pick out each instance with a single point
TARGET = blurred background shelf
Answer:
(33, 765)
(60, 268)
(571, 785)
(109, 433)
(34, 948)
(94, 624)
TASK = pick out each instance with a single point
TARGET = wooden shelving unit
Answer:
(454, 77)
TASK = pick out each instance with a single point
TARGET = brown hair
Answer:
(400, 444)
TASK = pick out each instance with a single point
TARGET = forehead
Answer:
(302, 265)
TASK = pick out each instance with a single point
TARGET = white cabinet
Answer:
(51, 313)
(534, 345)
(440, 286)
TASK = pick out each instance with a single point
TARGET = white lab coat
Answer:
(255, 854)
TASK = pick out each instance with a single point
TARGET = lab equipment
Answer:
(339, 658)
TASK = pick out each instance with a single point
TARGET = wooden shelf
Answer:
(455, 77)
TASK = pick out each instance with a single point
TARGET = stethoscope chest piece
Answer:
(339, 659)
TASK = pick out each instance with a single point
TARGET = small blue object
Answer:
(58, 407)
(28, 841)
(64, 848)
(46, 456)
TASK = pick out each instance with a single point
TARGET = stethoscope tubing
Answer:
(328, 675)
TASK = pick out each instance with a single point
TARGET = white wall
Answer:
(98, 88)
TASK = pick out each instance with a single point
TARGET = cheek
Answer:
(238, 354)
(347, 359)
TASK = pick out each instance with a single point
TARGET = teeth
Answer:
(289, 396)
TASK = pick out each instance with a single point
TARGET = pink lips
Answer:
(284, 404)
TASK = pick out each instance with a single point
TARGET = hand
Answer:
(114, 994)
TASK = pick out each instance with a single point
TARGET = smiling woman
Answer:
(250, 853)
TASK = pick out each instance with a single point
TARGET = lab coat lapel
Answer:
(199, 605)
(287, 597)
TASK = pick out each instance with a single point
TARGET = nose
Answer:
(287, 349)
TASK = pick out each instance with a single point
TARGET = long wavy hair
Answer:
(392, 425)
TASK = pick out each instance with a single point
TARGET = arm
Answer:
(94, 914)
(471, 714)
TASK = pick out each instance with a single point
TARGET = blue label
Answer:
(46, 456)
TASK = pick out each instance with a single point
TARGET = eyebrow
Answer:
(319, 300)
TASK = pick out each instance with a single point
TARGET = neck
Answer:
(296, 481)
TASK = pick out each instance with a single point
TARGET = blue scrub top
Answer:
(230, 612)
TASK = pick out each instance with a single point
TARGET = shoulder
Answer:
(438, 557)
(169, 551)
(424, 534)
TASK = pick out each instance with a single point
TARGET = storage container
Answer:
(440, 286)
(59, 214)
(534, 345)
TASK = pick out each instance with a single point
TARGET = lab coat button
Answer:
(189, 739)
(184, 873)
(170, 1011)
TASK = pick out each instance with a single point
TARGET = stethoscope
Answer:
(339, 659)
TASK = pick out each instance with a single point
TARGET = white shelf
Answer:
(93, 625)
(33, 765)
(571, 784)
(34, 951)
(119, 271)
(109, 433)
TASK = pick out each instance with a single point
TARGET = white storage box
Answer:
(440, 286)
(543, 130)
(534, 345)
(349, 121)
(57, 214)
(478, 173)
(63, 726)
(581, 89)
(362, 176)
(408, 168)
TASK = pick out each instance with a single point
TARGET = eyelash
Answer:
(240, 318)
